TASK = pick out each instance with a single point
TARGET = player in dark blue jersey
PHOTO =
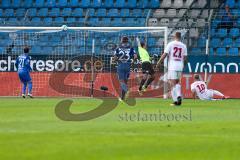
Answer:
(124, 55)
(23, 68)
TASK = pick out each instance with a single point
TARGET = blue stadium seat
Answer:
(5, 4)
(151, 42)
(66, 12)
(124, 13)
(155, 4)
(109, 4)
(141, 21)
(39, 3)
(233, 51)
(238, 21)
(85, 3)
(36, 49)
(113, 13)
(35, 21)
(1, 50)
(97, 3)
(131, 3)
(78, 12)
(16, 3)
(27, 3)
(201, 42)
(211, 51)
(91, 12)
(62, 3)
(74, 3)
(1, 12)
(101, 12)
(227, 42)
(59, 20)
(116, 22)
(234, 32)
(215, 42)
(222, 32)
(215, 22)
(221, 51)
(47, 50)
(32, 12)
(8, 12)
(237, 4)
(43, 12)
(54, 12)
(120, 4)
(213, 32)
(106, 21)
(93, 21)
(137, 13)
(196, 51)
(51, 3)
(47, 20)
(13, 19)
(71, 20)
(230, 3)
(237, 42)
(20, 12)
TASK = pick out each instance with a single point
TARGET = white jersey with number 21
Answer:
(176, 51)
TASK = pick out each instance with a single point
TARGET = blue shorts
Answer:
(24, 76)
(123, 71)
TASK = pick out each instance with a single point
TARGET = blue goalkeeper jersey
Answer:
(124, 53)
(23, 63)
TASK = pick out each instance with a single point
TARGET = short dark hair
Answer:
(178, 35)
(124, 39)
(26, 50)
(143, 44)
(196, 77)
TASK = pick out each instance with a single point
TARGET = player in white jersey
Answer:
(176, 52)
(200, 90)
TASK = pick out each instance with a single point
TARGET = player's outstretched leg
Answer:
(30, 89)
(219, 94)
(149, 81)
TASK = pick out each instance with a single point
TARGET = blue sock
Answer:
(124, 87)
(30, 87)
(24, 88)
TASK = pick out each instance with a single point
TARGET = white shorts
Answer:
(174, 74)
(208, 95)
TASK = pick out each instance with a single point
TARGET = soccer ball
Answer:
(64, 27)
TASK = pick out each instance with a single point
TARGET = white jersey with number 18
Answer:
(176, 51)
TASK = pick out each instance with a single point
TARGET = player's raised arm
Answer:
(138, 42)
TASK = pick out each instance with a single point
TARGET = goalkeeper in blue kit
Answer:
(23, 68)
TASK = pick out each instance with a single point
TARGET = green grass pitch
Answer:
(29, 130)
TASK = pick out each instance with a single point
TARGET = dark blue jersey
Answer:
(124, 54)
(23, 63)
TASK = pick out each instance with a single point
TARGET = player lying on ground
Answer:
(147, 69)
(199, 89)
(23, 68)
(124, 56)
(176, 52)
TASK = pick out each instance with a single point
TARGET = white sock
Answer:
(178, 90)
(173, 92)
(215, 92)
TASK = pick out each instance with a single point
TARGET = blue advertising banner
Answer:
(215, 64)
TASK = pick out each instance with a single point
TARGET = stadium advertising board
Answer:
(222, 70)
